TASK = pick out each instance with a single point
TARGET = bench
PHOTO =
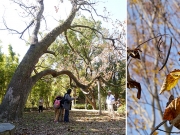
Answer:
(7, 129)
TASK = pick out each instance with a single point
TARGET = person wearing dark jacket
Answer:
(67, 104)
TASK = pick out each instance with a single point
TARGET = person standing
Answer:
(61, 112)
(41, 105)
(58, 110)
(110, 100)
(67, 104)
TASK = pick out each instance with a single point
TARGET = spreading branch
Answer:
(54, 73)
(96, 31)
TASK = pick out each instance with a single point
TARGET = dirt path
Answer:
(81, 123)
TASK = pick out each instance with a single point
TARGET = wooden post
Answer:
(74, 95)
(99, 97)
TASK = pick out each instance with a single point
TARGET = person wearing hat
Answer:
(110, 100)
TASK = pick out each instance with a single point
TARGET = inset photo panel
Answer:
(153, 67)
(63, 67)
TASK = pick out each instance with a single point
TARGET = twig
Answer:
(149, 40)
(168, 132)
(156, 128)
(167, 55)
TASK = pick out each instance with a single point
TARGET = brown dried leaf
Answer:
(171, 98)
(134, 53)
(176, 122)
(170, 81)
(172, 110)
(134, 84)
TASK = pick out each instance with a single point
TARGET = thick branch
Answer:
(51, 36)
(54, 73)
(34, 39)
(110, 84)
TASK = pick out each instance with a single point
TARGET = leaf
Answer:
(170, 81)
(134, 53)
(171, 98)
(172, 110)
(134, 84)
(155, 133)
(134, 1)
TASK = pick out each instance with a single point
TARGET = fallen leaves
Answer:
(81, 122)
(170, 81)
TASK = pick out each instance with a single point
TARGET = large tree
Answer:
(24, 78)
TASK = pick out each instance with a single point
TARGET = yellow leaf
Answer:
(134, 1)
(155, 133)
(170, 81)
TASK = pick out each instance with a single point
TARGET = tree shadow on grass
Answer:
(81, 123)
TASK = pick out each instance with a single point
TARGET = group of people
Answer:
(66, 106)
(62, 109)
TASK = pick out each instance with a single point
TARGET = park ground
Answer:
(82, 122)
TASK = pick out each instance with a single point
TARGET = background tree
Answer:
(8, 64)
(27, 73)
(85, 56)
(146, 20)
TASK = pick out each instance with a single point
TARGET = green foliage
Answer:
(8, 65)
(79, 106)
(121, 109)
(118, 79)
(89, 107)
(48, 89)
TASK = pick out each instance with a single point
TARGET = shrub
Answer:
(121, 109)
(89, 107)
(79, 106)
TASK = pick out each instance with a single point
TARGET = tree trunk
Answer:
(22, 82)
(92, 103)
(20, 86)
